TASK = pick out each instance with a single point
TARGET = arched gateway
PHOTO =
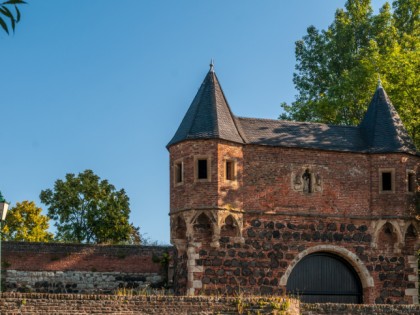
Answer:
(324, 277)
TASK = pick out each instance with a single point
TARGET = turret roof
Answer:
(382, 128)
(209, 117)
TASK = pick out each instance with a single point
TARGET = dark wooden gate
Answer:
(325, 278)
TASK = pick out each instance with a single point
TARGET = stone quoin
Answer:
(270, 207)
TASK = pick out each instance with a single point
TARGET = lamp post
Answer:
(4, 206)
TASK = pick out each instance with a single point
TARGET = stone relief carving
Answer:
(307, 181)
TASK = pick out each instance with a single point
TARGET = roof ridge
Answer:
(297, 122)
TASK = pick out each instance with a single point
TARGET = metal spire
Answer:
(211, 65)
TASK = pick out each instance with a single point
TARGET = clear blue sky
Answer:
(104, 84)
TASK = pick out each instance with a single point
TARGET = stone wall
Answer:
(351, 309)
(60, 304)
(247, 234)
(77, 268)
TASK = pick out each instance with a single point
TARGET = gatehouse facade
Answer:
(270, 207)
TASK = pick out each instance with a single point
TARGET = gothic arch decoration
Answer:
(361, 270)
(391, 232)
(229, 227)
(306, 180)
(202, 227)
(179, 228)
(411, 239)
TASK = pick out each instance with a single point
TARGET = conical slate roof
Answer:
(209, 115)
(382, 128)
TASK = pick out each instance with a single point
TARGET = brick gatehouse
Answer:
(272, 207)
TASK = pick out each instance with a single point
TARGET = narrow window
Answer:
(230, 170)
(411, 182)
(202, 169)
(179, 172)
(307, 182)
(386, 181)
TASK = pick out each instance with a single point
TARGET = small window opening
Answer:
(179, 170)
(202, 169)
(411, 181)
(307, 182)
(230, 170)
(386, 181)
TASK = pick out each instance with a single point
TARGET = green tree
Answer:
(10, 14)
(87, 209)
(24, 222)
(337, 69)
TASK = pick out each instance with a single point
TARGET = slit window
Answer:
(230, 170)
(179, 172)
(386, 179)
(411, 182)
(202, 171)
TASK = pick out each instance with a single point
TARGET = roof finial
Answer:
(379, 81)
(211, 65)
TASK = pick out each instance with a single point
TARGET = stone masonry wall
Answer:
(77, 268)
(262, 264)
(59, 304)
(247, 234)
(352, 309)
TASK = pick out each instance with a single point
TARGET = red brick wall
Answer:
(61, 257)
(345, 210)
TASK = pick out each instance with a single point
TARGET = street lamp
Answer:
(4, 206)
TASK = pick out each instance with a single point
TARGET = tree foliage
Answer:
(24, 222)
(87, 209)
(337, 69)
(10, 14)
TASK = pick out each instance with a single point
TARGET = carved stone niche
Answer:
(306, 181)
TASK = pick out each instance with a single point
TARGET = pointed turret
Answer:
(209, 115)
(382, 128)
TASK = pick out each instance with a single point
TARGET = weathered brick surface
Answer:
(77, 268)
(276, 223)
(61, 257)
(118, 305)
(351, 309)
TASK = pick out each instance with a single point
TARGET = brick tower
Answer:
(268, 206)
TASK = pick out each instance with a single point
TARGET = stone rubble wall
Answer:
(358, 309)
(81, 268)
(63, 304)
(78, 281)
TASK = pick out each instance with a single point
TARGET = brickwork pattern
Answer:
(77, 268)
(60, 304)
(248, 234)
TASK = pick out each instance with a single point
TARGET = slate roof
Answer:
(382, 128)
(210, 117)
(302, 135)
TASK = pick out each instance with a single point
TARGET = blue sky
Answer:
(104, 84)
